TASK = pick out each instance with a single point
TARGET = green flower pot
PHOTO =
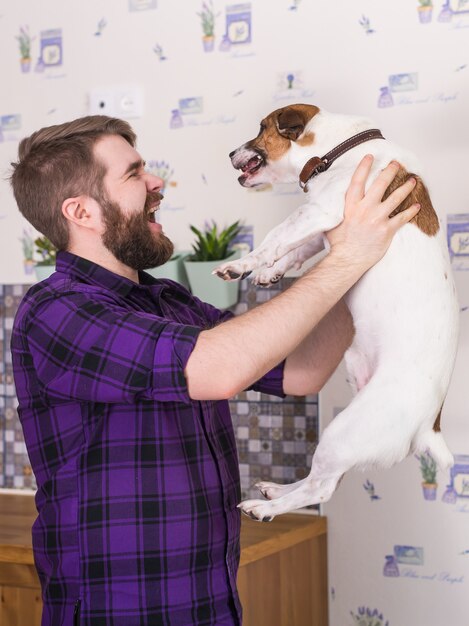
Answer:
(210, 288)
(172, 269)
(43, 271)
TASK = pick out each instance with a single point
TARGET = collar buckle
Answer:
(312, 168)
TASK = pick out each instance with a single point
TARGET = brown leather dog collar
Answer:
(316, 165)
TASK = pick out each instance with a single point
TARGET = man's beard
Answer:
(130, 238)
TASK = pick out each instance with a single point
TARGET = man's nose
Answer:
(154, 183)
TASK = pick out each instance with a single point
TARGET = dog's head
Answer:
(265, 159)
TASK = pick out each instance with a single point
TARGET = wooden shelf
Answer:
(259, 540)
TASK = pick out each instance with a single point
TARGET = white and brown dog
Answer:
(404, 309)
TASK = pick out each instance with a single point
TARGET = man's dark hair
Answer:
(56, 163)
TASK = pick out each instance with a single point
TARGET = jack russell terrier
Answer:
(404, 309)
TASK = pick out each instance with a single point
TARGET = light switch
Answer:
(125, 101)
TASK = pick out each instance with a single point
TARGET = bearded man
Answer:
(123, 380)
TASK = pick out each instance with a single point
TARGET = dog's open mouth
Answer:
(250, 167)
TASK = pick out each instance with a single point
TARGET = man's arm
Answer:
(232, 356)
(314, 361)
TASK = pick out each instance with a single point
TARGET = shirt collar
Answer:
(92, 273)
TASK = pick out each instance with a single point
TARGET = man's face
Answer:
(131, 198)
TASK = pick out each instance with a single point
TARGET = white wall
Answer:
(338, 62)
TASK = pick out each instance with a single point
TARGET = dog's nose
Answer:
(231, 153)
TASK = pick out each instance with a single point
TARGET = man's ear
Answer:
(291, 124)
(77, 210)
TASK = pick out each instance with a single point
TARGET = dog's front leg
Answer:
(268, 276)
(301, 226)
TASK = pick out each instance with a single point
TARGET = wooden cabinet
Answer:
(20, 592)
(282, 577)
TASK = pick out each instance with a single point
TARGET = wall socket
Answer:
(124, 101)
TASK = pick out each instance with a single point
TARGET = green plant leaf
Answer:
(46, 251)
(212, 245)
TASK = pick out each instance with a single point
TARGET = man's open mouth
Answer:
(152, 205)
(152, 212)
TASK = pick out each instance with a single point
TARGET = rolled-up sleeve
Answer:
(95, 351)
(272, 382)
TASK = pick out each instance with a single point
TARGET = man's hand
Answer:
(366, 232)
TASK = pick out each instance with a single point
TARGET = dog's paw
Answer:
(258, 510)
(237, 270)
(267, 278)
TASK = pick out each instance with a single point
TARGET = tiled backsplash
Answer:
(276, 437)
(15, 469)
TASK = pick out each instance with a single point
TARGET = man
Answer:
(122, 382)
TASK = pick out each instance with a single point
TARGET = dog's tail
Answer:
(432, 442)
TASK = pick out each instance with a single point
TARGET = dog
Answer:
(404, 309)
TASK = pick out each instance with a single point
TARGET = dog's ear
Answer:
(291, 123)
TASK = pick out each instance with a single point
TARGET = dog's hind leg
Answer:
(271, 491)
(326, 471)
(376, 429)
(308, 492)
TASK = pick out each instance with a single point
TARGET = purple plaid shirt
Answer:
(137, 483)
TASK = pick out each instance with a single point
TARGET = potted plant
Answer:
(425, 11)
(172, 269)
(428, 469)
(25, 39)
(207, 17)
(46, 250)
(210, 248)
